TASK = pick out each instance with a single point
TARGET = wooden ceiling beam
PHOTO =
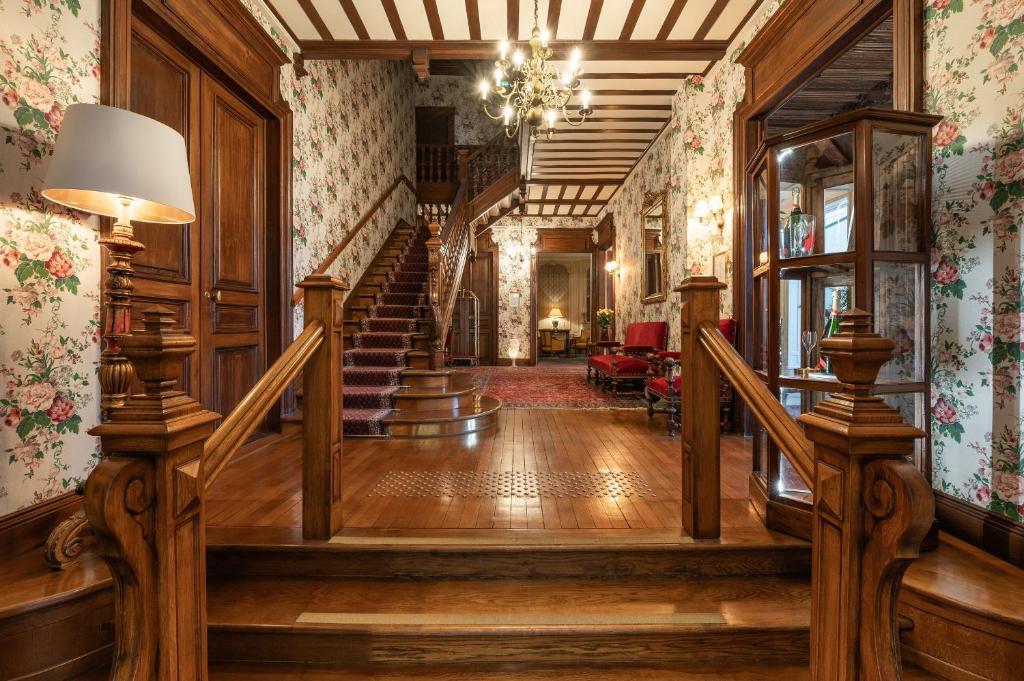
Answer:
(631, 18)
(577, 180)
(473, 15)
(592, 16)
(315, 19)
(597, 50)
(433, 19)
(710, 19)
(357, 23)
(512, 19)
(670, 19)
(554, 10)
(394, 19)
(558, 202)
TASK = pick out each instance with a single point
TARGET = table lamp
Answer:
(555, 314)
(122, 165)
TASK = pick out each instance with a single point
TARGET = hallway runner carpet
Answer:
(547, 387)
(372, 370)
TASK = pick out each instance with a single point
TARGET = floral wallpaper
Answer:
(973, 78)
(692, 160)
(354, 134)
(472, 126)
(515, 259)
(49, 257)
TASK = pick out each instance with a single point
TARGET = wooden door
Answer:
(233, 247)
(483, 285)
(165, 85)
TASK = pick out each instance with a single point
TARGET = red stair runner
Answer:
(373, 367)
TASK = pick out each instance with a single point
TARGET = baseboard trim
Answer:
(982, 528)
(28, 528)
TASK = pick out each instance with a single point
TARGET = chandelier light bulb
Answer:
(551, 114)
(585, 100)
(517, 58)
(574, 60)
(499, 75)
(503, 49)
(485, 88)
(545, 36)
(508, 115)
(567, 79)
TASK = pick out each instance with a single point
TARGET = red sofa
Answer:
(660, 389)
(629, 362)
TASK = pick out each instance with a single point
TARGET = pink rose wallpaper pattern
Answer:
(49, 257)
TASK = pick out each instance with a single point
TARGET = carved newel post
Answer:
(434, 245)
(872, 509)
(321, 409)
(144, 502)
(700, 424)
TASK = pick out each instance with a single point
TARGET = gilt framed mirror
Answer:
(654, 219)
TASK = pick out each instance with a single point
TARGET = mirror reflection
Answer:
(654, 218)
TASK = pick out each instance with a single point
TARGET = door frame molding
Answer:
(211, 33)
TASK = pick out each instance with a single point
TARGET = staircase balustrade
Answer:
(872, 507)
(144, 499)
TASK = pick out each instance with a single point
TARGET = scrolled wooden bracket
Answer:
(119, 504)
(900, 507)
(66, 542)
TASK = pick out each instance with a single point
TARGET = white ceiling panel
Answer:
(335, 18)
(669, 84)
(454, 20)
(493, 19)
(296, 19)
(572, 19)
(414, 20)
(374, 19)
(651, 19)
(730, 19)
(690, 19)
(613, 16)
(526, 18)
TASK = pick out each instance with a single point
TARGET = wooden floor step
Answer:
(270, 671)
(496, 554)
(426, 399)
(481, 415)
(362, 622)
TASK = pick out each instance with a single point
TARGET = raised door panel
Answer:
(234, 228)
(165, 86)
(483, 286)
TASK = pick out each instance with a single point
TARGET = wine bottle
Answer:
(831, 328)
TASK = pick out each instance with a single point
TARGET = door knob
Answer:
(213, 295)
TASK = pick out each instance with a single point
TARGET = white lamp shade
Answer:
(103, 153)
(555, 312)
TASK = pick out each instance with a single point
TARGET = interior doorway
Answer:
(564, 289)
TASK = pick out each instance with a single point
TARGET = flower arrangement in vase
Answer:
(605, 316)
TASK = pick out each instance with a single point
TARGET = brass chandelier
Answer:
(533, 89)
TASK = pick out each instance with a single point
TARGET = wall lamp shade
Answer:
(105, 155)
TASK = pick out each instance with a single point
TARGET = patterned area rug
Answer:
(548, 387)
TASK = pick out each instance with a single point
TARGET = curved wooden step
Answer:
(426, 399)
(446, 422)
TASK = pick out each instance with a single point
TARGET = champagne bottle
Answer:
(831, 328)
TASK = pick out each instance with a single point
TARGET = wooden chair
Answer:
(628, 362)
(664, 382)
(580, 342)
(551, 343)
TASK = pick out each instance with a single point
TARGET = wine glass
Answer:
(809, 339)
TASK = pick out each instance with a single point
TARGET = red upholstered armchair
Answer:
(665, 381)
(628, 362)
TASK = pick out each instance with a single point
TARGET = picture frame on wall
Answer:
(720, 266)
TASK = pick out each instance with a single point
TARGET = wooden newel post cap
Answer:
(324, 281)
(700, 283)
(159, 352)
(857, 353)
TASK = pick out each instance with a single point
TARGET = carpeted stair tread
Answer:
(371, 376)
(382, 340)
(375, 357)
(410, 299)
(389, 325)
(405, 311)
(364, 421)
(368, 397)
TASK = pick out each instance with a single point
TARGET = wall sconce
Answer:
(612, 266)
(707, 210)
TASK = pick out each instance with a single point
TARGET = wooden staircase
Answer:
(372, 604)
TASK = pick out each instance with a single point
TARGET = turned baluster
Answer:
(872, 509)
(144, 502)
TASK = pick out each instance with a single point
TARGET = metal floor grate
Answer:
(516, 484)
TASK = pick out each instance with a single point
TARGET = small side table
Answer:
(606, 346)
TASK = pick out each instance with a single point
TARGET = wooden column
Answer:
(872, 509)
(700, 418)
(144, 501)
(321, 409)
(435, 284)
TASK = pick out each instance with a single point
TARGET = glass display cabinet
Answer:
(838, 218)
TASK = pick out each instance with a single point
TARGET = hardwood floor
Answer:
(540, 469)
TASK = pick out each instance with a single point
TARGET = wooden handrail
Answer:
(252, 409)
(784, 431)
(337, 250)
